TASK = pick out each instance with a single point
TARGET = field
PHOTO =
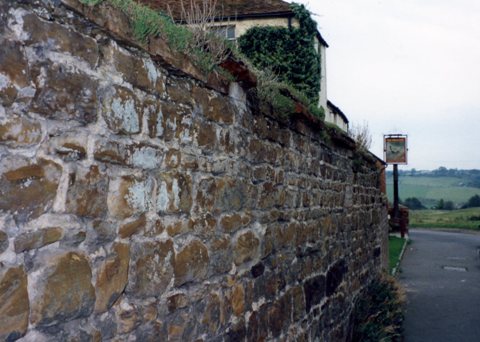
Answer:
(431, 189)
(462, 218)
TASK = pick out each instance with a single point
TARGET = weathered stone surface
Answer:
(151, 268)
(314, 289)
(231, 195)
(139, 72)
(37, 238)
(127, 316)
(87, 193)
(122, 110)
(191, 263)
(128, 196)
(173, 158)
(221, 255)
(231, 223)
(176, 123)
(3, 241)
(214, 108)
(112, 277)
(202, 216)
(28, 189)
(246, 247)
(128, 229)
(54, 37)
(69, 147)
(63, 94)
(20, 132)
(206, 136)
(13, 64)
(67, 292)
(14, 304)
(174, 193)
(212, 316)
(238, 300)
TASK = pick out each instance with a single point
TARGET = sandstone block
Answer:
(13, 64)
(137, 71)
(173, 158)
(122, 110)
(67, 292)
(221, 255)
(3, 241)
(65, 95)
(214, 108)
(112, 278)
(14, 304)
(126, 316)
(177, 301)
(232, 194)
(151, 268)
(238, 300)
(246, 247)
(37, 238)
(179, 92)
(28, 189)
(174, 193)
(20, 132)
(87, 193)
(176, 123)
(212, 316)
(191, 263)
(206, 134)
(111, 151)
(70, 146)
(132, 227)
(129, 196)
(55, 37)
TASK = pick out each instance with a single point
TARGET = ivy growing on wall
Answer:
(289, 52)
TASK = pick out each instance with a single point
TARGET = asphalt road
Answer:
(441, 275)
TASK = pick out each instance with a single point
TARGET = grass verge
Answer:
(395, 245)
(460, 219)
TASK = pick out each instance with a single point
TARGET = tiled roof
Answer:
(227, 8)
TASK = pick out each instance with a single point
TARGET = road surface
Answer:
(441, 274)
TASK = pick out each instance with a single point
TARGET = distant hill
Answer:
(431, 186)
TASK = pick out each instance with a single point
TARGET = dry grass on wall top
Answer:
(209, 54)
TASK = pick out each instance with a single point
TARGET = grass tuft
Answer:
(378, 314)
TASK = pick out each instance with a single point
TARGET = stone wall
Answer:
(139, 204)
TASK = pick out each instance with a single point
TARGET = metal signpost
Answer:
(395, 152)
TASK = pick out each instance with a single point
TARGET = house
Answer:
(334, 115)
(235, 17)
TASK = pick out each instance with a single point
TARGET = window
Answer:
(227, 31)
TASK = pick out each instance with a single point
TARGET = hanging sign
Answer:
(395, 148)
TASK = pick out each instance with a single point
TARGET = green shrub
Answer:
(289, 52)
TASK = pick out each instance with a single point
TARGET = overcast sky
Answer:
(408, 66)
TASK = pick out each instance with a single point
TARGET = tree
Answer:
(449, 205)
(473, 202)
(440, 204)
(413, 203)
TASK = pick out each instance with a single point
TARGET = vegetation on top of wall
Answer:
(147, 23)
(289, 52)
(283, 94)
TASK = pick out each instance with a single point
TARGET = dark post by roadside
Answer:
(395, 149)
